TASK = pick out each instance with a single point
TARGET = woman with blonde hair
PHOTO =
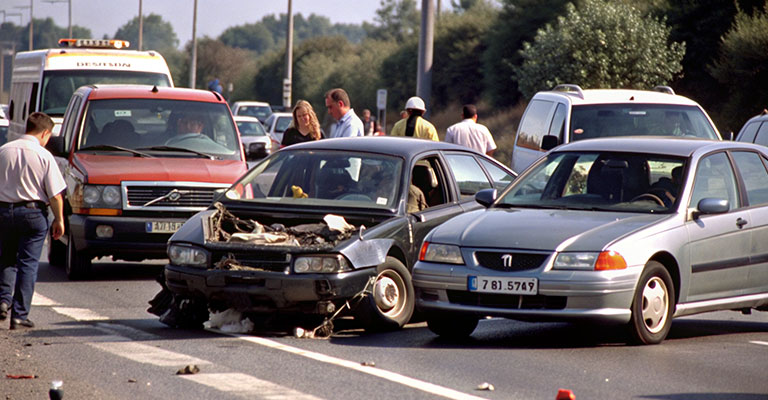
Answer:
(305, 126)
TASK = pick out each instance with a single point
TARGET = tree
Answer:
(217, 60)
(254, 37)
(396, 20)
(740, 67)
(600, 45)
(157, 34)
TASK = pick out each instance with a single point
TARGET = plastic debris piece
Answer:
(12, 376)
(486, 386)
(337, 223)
(188, 370)
(131, 380)
(368, 364)
(565, 394)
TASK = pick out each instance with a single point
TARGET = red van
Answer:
(139, 161)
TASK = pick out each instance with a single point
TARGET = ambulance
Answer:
(44, 80)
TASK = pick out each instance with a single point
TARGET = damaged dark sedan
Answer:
(324, 228)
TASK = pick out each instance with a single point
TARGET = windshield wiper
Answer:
(536, 206)
(113, 147)
(171, 148)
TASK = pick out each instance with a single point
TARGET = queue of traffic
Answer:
(665, 221)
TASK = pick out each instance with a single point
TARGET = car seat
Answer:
(424, 178)
(333, 179)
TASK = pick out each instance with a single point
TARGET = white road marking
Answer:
(40, 300)
(145, 354)
(388, 375)
(248, 386)
(760, 342)
(80, 314)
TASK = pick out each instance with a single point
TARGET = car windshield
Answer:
(324, 178)
(161, 125)
(260, 112)
(58, 85)
(251, 128)
(603, 181)
(600, 120)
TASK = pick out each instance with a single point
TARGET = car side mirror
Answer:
(486, 197)
(712, 206)
(56, 146)
(549, 142)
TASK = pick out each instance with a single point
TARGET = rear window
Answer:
(605, 120)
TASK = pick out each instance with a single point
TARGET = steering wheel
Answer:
(651, 196)
(354, 197)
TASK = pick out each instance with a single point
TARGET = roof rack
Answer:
(570, 88)
(664, 89)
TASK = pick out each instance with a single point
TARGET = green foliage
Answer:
(397, 20)
(157, 34)
(741, 67)
(601, 44)
(254, 37)
(46, 34)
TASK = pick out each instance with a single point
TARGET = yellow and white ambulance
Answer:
(44, 80)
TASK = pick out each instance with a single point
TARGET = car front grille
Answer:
(492, 300)
(176, 196)
(507, 262)
(265, 261)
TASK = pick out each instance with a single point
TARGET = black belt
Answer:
(28, 204)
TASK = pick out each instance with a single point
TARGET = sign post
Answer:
(381, 105)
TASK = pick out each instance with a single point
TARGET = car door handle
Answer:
(741, 222)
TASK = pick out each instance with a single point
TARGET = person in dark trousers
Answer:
(31, 180)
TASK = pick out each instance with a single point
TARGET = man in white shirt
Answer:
(471, 134)
(347, 122)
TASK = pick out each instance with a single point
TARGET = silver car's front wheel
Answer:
(653, 305)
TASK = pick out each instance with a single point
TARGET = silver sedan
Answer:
(632, 231)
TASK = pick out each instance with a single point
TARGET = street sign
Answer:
(381, 99)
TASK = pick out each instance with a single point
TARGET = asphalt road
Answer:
(97, 337)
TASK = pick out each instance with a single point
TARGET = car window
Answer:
(248, 128)
(749, 131)
(558, 122)
(602, 120)
(469, 176)
(534, 124)
(499, 176)
(754, 174)
(714, 179)
(427, 187)
(283, 123)
(762, 135)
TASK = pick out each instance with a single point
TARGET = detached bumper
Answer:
(262, 291)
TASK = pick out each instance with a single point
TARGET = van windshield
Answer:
(601, 120)
(160, 126)
(58, 85)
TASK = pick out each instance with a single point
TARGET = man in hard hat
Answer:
(415, 125)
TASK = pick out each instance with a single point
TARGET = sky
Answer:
(104, 17)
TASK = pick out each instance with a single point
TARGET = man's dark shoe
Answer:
(21, 323)
(3, 311)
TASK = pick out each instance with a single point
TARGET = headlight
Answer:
(101, 196)
(602, 261)
(188, 255)
(326, 264)
(440, 253)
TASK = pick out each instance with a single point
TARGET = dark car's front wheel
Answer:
(391, 301)
(653, 305)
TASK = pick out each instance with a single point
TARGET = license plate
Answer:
(163, 226)
(505, 285)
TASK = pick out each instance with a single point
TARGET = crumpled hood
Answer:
(536, 229)
(109, 169)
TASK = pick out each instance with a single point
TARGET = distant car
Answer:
(626, 231)
(4, 111)
(277, 123)
(568, 113)
(755, 130)
(256, 142)
(269, 247)
(258, 109)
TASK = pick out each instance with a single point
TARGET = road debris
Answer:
(188, 370)
(12, 376)
(325, 329)
(368, 364)
(230, 321)
(485, 386)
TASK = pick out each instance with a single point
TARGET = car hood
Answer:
(255, 139)
(107, 169)
(538, 229)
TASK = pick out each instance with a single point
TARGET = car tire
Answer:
(452, 326)
(390, 304)
(653, 305)
(57, 252)
(77, 265)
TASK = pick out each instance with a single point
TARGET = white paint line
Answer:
(80, 314)
(388, 375)
(248, 386)
(760, 342)
(42, 301)
(148, 354)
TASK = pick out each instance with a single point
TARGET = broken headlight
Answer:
(326, 264)
(188, 255)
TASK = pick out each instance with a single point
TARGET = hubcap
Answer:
(655, 305)
(386, 293)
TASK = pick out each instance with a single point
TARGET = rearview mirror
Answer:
(56, 146)
(486, 197)
(712, 206)
(549, 142)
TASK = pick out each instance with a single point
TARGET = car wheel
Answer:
(57, 252)
(390, 304)
(653, 305)
(452, 326)
(77, 265)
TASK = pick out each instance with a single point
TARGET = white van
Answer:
(44, 80)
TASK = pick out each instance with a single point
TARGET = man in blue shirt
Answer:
(348, 123)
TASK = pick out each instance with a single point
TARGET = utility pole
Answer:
(141, 27)
(426, 38)
(287, 82)
(193, 64)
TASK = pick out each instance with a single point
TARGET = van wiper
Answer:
(172, 148)
(108, 147)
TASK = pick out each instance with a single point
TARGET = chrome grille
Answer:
(520, 261)
(178, 196)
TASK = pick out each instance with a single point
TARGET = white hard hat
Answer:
(415, 103)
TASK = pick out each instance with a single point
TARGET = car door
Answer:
(719, 243)
(752, 169)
